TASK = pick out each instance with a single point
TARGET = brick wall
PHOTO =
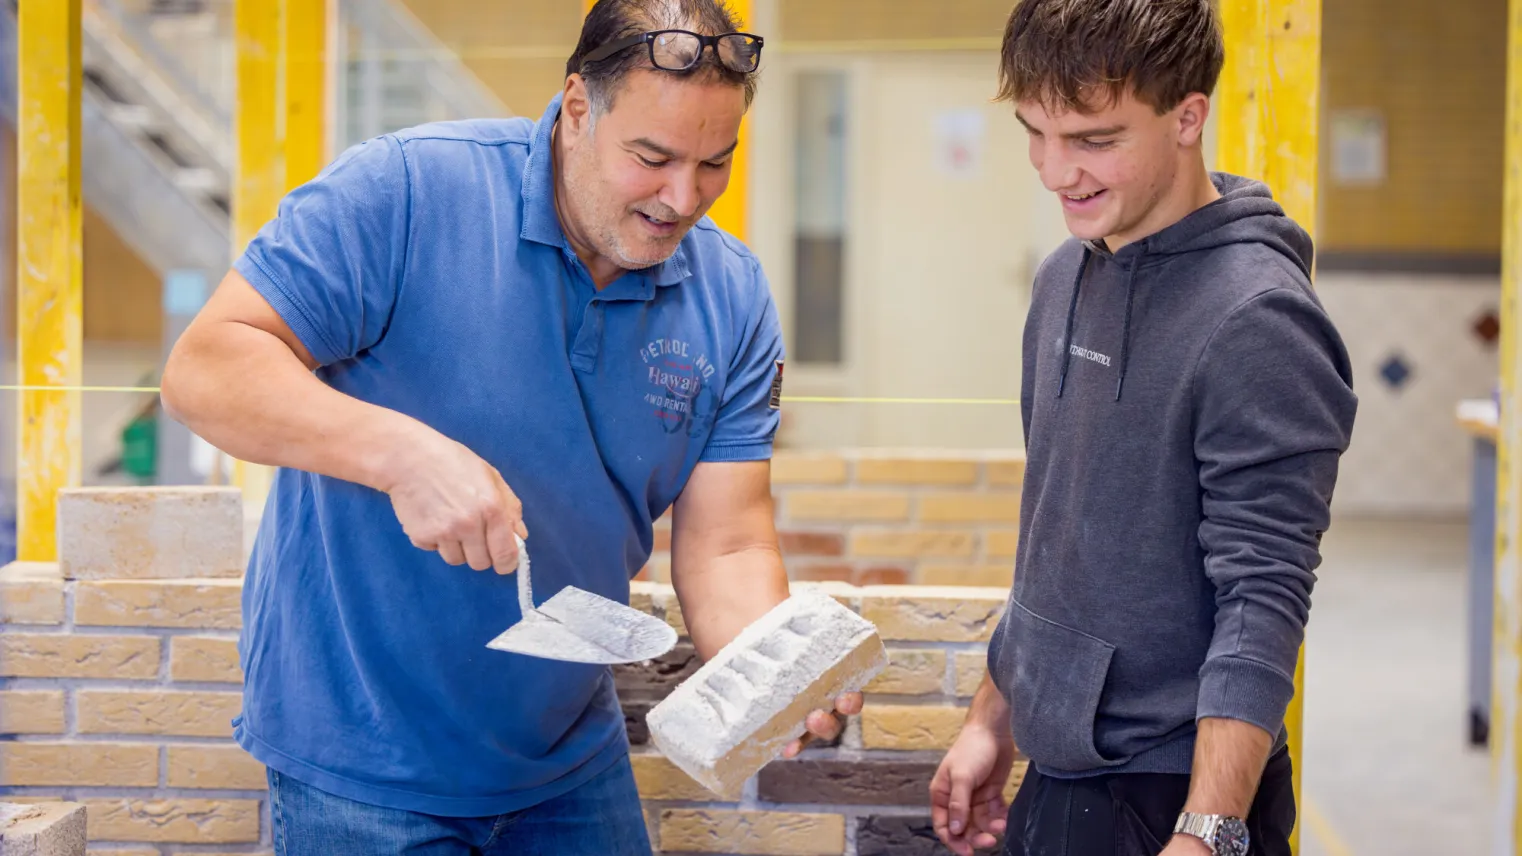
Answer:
(871, 517)
(119, 674)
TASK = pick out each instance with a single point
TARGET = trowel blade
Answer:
(582, 627)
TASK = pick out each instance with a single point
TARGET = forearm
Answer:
(1229, 756)
(989, 709)
(724, 591)
(244, 391)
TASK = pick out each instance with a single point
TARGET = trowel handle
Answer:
(525, 589)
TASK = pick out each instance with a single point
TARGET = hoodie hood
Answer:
(1245, 213)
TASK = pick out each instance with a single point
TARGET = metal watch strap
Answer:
(1201, 826)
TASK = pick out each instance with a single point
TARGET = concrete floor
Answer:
(1388, 768)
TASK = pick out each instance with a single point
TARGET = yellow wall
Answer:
(1436, 71)
(871, 20)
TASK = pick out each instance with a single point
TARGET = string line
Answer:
(795, 399)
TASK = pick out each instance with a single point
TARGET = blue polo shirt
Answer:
(428, 273)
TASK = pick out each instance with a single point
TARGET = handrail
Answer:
(395, 25)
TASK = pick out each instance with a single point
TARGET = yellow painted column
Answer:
(49, 300)
(1268, 104)
(730, 211)
(305, 88)
(1506, 671)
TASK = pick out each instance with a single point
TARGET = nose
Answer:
(681, 192)
(1058, 171)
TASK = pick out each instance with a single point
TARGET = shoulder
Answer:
(719, 260)
(469, 132)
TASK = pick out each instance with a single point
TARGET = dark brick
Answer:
(660, 675)
(881, 782)
(634, 722)
(812, 543)
(880, 835)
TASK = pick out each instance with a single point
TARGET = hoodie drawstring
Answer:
(1067, 339)
(1125, 334)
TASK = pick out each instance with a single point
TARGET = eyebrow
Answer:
(1077, 135)
(651, 145)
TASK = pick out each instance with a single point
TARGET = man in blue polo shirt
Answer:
(472, 329)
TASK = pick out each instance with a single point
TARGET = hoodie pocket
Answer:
(1056, 676)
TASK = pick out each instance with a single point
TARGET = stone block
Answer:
(43, 829)
(742, 708)
(150, 532)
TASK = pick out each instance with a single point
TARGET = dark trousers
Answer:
(1132, 814)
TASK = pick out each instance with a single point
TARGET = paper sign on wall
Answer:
(959, 142)
(1358, 147)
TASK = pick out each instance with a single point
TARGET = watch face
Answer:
(1231, 838)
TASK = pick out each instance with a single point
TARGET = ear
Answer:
(1192, 113)
(575, 110)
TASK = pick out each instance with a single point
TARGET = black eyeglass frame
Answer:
(704, 43)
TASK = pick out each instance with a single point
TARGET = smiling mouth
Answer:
(1080, 197)
(655, 221)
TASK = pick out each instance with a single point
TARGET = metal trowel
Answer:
(581, 627)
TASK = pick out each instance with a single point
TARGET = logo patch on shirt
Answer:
(776, 399)
(1092, 356)
(679, 375)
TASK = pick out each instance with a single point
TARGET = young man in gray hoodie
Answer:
(1186, 401)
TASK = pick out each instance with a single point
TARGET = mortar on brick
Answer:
(742, 708)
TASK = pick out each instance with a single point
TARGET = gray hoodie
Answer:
(1186, 401)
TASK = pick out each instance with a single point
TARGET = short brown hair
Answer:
(1085, 54)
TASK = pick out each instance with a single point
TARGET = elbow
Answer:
(176, 387)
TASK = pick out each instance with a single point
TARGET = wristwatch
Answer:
(1225, 836)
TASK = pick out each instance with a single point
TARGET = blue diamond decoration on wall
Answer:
(1395, 372)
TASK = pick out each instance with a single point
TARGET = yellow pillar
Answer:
(305, 85)
(49, 304)
(1268, 105)
(729, 211)
(1506, 691)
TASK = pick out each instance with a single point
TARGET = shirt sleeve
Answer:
(1275, 410)
(330, 262)
(749, 412)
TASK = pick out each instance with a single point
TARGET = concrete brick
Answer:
(191, 821)
(43, 829)
(913, 543)
(847, 505)
(752, 833)
(970, 508)
(929, 614)
(908, 727)
(659, 779)
(916, 471)
(911, 672)
(837, 781)
(226, 767)
(124, 765)
(183, 714)
(1006, 473)
(31, 711)
(207, 603)
(795, 543)
(987, 575)
(150, 532)
(971, 666)
(31, 593)
(1001, 543)
(747, 703)
(204, 658)
(27, 655)
(808, 468)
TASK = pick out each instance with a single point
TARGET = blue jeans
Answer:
(602, 817)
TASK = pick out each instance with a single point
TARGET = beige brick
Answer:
(54, 828)
(971, 666)
(1001, 543)
(150, 532)
(642, 595)
(31, 711)
(970, 508)
(130, 851)
(204, 658)
(769, 833)
(192, 821)
(808, 468)
(27, 655)
(847, 505)
(187, 714)
(911, 672)
(933, 471)
(1008, 473)
(986, 576)
(226, 767)
(31, 593)
(913, 543)
(894, 726)
(931, 614)
(659, 779)
(159, 603)
(122, 765)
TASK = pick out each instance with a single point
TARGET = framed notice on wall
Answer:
(1357, 147)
